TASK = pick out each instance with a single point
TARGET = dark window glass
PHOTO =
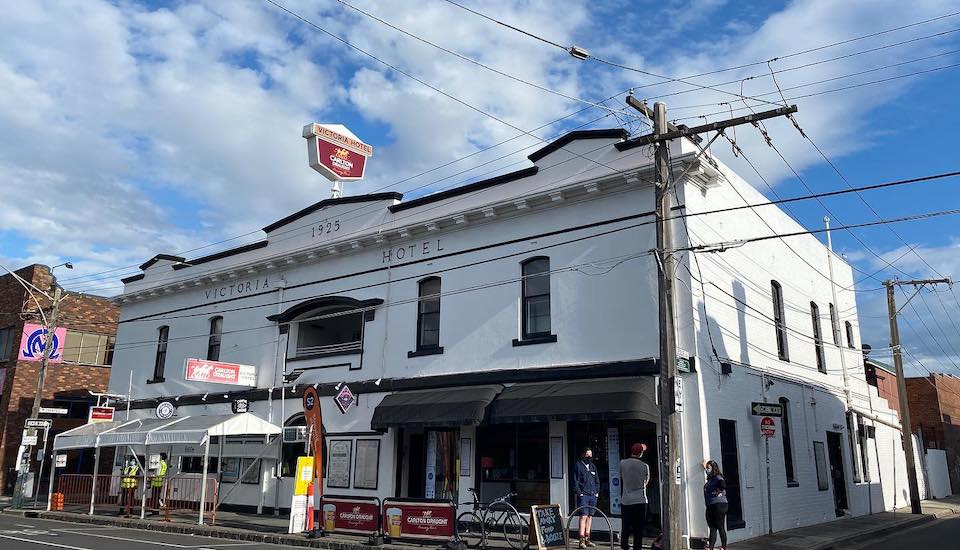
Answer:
(864, 455)
(778, 320)
(213, 343)
(164, 333)
(834, 325)
(787, 442)
(428, 314)
(536, 297)
(331, 331)
(111, 344)
(6, 343)
(817, 337)
(849, 328)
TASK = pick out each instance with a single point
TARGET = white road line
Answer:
(208, 546)
(25, 525)
(132, 540)
(54, 544)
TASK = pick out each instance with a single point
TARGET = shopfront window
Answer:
(610, 442)
(514, 458)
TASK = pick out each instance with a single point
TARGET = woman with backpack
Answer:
(715, 497)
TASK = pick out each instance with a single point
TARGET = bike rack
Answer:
(573, 514)
(506, 507)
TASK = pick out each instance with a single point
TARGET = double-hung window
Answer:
(213, 341)
(780, 325)
(817, 337)
(428, 315)
(163, 334)
(536, 299)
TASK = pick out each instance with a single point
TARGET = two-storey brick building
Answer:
(493, 330)
(80, 365)
(935, 415)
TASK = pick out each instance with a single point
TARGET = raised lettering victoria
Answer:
(238, 288)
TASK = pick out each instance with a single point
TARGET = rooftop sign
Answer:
(335, 152)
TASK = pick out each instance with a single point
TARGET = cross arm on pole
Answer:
(710, 127)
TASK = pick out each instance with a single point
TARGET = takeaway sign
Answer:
(335, 152)
(216, 372)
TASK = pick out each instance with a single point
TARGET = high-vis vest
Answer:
(129, 479)
(157, 480)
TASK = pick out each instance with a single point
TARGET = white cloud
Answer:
(160, 130)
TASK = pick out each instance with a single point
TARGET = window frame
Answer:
(848, 327)
(526, 297)
(779, 320)
(789, 464)
(6, 347)
(215, 338)
(818, 337)
(421, 314)
(160, 361)
(351, 347)
(835, 324)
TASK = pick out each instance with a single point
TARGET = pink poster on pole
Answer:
(32, 343)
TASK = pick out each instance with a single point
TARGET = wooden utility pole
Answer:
(671, 471)
(47, 349)
(905, 430)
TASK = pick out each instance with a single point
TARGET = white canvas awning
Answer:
(183, 430)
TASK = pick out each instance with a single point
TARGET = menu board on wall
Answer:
(367, 467)
(338, 463)
(613, 459)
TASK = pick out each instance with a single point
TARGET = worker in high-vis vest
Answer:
(128, 482)
(156, 483)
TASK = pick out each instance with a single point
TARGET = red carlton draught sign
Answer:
(335, 152)
(347, 515)
(419, 520)
(199, 370)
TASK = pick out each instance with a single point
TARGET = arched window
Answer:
(787, 443)
(817, 337)
(213, 342)
(536, 298)
(163, 334)
(428, 314)
(849, 326)
(834, 325)
(295, 445)
(780, 324)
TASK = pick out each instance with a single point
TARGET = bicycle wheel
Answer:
(514, 529)
(470, 529)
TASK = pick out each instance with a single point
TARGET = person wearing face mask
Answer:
(715, 497)
(634, 477)
(586, 485)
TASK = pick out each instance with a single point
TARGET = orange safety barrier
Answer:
(177, 495)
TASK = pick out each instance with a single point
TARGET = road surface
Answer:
(19, 533)
(937, 534)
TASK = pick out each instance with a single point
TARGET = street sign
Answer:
(53, 410)
(44, 423)
(29, 440)
(766, 409)
(61, 461)
(767, 427)
(678, 394)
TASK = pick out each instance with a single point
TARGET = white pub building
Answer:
(492, 331)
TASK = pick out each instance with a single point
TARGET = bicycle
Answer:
(474, 527)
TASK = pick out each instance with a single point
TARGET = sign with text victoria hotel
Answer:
(335, 152)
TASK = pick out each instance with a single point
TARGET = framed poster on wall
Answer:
(366, 469)
(556, 458)
(338, 463)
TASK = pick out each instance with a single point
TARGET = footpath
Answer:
(843, 532)
(272, 530)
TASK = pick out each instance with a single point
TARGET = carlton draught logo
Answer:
(335, 152)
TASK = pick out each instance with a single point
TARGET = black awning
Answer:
(434, 408)
(605, 399)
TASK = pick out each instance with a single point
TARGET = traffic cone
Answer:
(310, 512)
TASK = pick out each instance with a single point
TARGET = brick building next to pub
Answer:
(935, 416)
(84, 366)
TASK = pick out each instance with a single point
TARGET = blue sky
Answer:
(166, 126)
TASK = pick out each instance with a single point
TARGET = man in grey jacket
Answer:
(634, 477)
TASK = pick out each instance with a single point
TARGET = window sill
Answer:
(548, 339)
(793, 484)
(309, 356)
(425, 351)
(155, 380)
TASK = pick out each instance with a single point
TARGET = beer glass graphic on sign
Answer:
(394, 522)
(329, 517)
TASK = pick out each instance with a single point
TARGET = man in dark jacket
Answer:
(586, 485)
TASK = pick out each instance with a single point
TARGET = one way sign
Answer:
(767, 409)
